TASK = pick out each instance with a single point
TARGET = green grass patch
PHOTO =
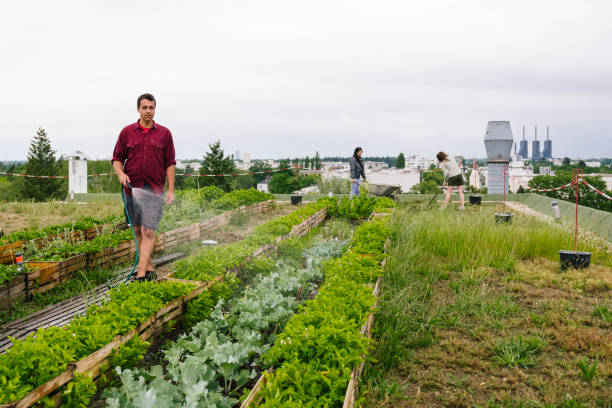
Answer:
(520, 351)
(486, 306)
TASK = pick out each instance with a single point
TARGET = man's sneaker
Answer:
(461, 208)
(150, 276)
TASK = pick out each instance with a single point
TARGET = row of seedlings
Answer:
(26, 379)
(112, 248)
(317, 359)
(221, 356)
(39, 365)
(85, 228)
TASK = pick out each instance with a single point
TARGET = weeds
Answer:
(239, 219)
(603, 313)
(519, 351)
(588, 371)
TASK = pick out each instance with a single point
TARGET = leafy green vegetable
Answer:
(211, 262)
(321, 344)
(209, 366)
(8, 272)
(79, 391)
(384, 204)
(239, 198)
(77, 225)
(355, 208)
(58, 250)
(33, 361)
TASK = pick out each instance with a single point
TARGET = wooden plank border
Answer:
(93, 362)
(24, 286)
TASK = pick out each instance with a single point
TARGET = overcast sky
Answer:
(286, 78)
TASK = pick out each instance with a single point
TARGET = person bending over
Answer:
(357, 170)
(143, 160)
(452, 177)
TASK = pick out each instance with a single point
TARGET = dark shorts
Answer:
(144, 207)
(456, 180)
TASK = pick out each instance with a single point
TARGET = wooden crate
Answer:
(94, 363)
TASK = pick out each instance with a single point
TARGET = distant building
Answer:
(547, 152)
(263, 185)
(195, 166)
(246, 157)
(242, 165)
(376, 165)
(545, 170)
(523, 147)
(593, 163)
(237, 156)
(416, 162)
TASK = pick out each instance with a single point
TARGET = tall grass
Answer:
(473, 239)
(430, 246)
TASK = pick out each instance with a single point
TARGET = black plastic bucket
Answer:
(296, 200)
(475, 199)
(503, 218)
(571, 259)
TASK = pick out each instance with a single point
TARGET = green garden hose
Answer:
(127, 214)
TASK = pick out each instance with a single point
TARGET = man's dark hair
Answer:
(146, 96)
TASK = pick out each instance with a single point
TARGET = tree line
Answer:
(42, 160)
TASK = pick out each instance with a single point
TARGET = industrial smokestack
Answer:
(523, 132)
(546, 132)
(535, 146)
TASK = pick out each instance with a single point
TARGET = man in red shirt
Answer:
(144, 158)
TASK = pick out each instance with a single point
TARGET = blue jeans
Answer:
(355, 183)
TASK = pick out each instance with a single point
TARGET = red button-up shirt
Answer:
(145, 156)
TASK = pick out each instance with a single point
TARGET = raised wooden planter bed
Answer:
(352, 388)
(7, 251)
(151, 327)
(51, 274)
(98, 359)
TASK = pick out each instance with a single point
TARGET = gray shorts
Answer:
(144, 207)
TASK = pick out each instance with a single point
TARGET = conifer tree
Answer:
(400, 163)
(41, 162)
(215, 162)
